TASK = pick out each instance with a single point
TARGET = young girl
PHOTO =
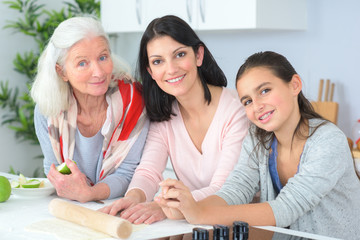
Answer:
(302, 162)
(196, 122)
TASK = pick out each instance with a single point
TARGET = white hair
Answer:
(49, 91)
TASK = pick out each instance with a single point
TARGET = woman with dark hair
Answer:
(302, 162)
(196, 122)
(158, 101)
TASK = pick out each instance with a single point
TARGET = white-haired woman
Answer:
(87, 110)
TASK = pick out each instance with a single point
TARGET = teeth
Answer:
(265, 116)
(175, 79)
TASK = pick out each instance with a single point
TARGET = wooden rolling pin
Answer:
(102, 222)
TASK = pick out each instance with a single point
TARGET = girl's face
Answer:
(270, 103)
(173, 65)
(88, 67)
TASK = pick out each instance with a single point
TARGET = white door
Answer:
(122, 15)
(184, 9)
(226, 14)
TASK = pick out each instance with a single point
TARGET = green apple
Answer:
(63, 168)
(33, 183)
(22, 182)
(5, 189)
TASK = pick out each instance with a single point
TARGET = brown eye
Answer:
(181, 54)
(156, 62)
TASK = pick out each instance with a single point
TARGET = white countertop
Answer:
(18, 213)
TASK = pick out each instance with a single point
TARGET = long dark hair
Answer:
(282, 69)
(158, 103)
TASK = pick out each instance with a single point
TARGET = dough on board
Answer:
(64, 230)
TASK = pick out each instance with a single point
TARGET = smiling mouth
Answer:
(174, 80)
(265, 115)
(97, 83)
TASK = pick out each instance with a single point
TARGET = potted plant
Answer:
(39, 24)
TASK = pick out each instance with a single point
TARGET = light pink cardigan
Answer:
(205, 173)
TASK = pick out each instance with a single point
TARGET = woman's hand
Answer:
(146, 212)
(177, 201)
(73, 186)
(120, 205)
(134, 208)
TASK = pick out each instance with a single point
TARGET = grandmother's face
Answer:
(88, 67)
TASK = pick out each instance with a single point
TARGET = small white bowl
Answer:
(47, 190)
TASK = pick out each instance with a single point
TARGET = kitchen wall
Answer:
(21, 156)
(329, 48)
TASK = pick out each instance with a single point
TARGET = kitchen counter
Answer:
(18, 213)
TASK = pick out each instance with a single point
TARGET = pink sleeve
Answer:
(234, 129)
(153, 162)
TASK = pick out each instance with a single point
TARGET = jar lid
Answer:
(200, 234)
(220, 232)
(241, 227)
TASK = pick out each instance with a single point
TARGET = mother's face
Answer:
(88, 67)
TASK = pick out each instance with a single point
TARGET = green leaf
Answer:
(23, 119)
(16, 5)
(16, 129)
(38, 24)
(12, 171)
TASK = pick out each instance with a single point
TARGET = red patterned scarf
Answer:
(124, 122)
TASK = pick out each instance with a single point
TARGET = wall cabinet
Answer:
(134, 15)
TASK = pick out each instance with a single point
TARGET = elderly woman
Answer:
(89, 111)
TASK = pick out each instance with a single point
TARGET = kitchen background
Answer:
(328, 48)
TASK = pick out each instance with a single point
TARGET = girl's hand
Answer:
(177, 201)
(171, 213)
(73, 186)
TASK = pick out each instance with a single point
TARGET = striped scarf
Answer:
(124, 122)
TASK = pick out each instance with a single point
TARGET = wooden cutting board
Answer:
(327, 108)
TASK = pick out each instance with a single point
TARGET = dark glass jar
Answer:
(200, 234)
(220, 232)
(240, 230)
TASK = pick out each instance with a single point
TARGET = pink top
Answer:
(205, 173)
